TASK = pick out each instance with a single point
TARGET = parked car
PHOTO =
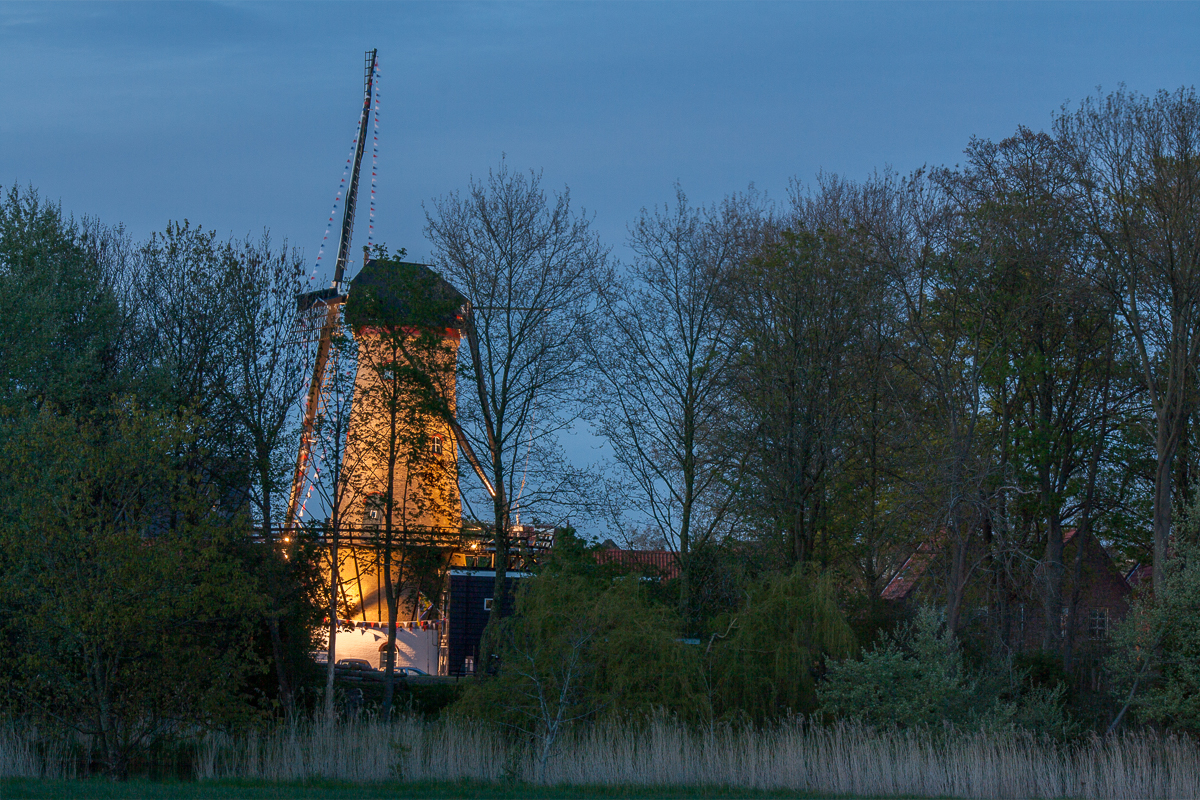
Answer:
(412, 672)
(354, 665)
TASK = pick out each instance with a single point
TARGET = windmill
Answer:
(323, 308)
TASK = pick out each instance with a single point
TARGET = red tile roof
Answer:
(659, 563)
(909, 573)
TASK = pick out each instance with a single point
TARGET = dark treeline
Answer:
(147, 398)
(989, 362)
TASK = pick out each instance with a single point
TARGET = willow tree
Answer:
(764, 662)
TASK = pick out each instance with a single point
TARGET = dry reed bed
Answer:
(843, 759)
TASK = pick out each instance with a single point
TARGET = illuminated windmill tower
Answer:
(406, 321)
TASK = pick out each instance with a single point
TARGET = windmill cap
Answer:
(394, 294)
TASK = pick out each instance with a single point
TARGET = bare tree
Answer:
(264, 364)
(664, 356)
(525, 264)
(334, 479)
(1137, 162)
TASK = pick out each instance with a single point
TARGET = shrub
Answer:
(917, 678)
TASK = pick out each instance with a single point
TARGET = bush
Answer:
(585, 641)
(1156, 649)
(917, 678)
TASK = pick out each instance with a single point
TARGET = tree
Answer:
(1137, 164)
(265, 362)
(61, 318)
(1053, 333)
(335, 477)
(150, 608)
(585, 642)
(946, 318)
(663, 356)
(1156, 649)
(764, 659)
(797, 334)
(525, 267)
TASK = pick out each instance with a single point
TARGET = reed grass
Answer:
(843, 759)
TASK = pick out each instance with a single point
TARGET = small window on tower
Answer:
(437, 445)
(373, 511)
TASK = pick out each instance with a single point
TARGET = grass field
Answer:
(411, 757)
(332, 790)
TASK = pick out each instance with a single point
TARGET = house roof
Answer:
(658, 562)
(905, 579)
(914, 568)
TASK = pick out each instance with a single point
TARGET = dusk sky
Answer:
(240, 116)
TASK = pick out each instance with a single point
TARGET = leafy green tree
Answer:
(585, 641)
(126, 613)
(59, 310)
(764, 660)
(793, 383)
(1050, 380)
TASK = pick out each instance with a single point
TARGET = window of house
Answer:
(437, 445)
(1098, 624)
(383, 653)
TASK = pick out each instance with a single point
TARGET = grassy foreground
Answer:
(26, 789)
(410, 757)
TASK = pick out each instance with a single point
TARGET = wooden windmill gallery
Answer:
(380, 443)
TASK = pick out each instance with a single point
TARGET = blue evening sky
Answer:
(239, 116)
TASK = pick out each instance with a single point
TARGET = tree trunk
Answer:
(279, 654)
(1052, 634)
(331, 648)
(489, 641)
(1165, 442)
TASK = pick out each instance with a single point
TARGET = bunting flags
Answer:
(374, 158)
(373, 625)
(337, 198)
